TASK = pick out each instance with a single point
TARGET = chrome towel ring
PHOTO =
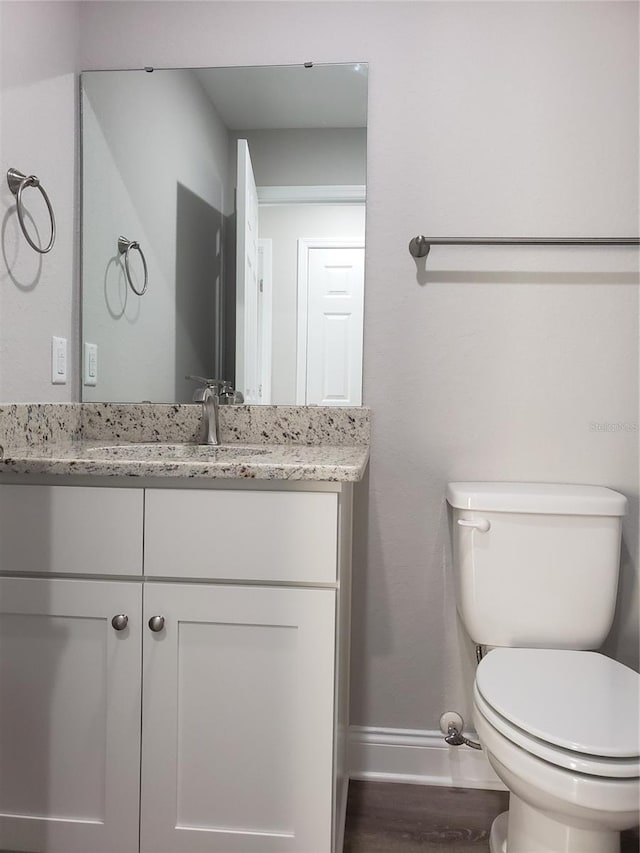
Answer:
(124, 247)
(17, 182)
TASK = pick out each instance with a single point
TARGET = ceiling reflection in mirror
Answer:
(223, 215)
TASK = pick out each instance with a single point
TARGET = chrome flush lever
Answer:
(482, 524)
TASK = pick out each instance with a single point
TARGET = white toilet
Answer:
(536, 568)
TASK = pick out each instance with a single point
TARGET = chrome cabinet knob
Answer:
(156, 623)
(120, 621)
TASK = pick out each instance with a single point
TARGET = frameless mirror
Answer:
(223, 233)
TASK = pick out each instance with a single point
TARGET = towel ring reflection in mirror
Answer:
(124, 247)
(17, 183)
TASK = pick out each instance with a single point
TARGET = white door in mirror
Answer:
(330, 322)
(247, 280)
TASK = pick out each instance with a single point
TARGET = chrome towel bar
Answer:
(17, 183)
(420, 246)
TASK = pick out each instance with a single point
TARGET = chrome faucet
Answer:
(208, 396)
(210, 412)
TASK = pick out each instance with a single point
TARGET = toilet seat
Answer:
(577, 710)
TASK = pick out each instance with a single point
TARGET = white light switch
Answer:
(90, 363)
(58, 361)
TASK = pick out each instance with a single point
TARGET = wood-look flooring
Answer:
(394, 818)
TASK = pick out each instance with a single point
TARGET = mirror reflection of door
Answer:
(331, 222)
(247, 278)
(330, 321)
(329, 301)
(265, 318)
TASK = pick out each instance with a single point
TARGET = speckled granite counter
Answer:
(149, 440)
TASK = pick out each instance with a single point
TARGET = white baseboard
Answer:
(417, 757)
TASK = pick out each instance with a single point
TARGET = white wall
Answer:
(155, 156)
(38, 293)
(284, 225)
(484, 119)
(307, 157)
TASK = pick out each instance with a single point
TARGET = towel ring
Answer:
(17, 182)
(124, 247)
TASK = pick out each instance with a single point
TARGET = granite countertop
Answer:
(263, 462)
(116, 440)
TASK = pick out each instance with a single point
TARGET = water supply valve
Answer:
(451, 726)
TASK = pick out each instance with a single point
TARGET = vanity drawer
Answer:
(71, 529)
(241, 535)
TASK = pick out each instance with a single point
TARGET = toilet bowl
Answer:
(536, 572)
(560, 728)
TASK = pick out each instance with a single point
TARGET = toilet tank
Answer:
(536, 564)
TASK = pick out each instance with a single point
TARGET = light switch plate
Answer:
(58, 361)
(90, 364)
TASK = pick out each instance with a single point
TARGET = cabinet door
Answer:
(237, 720)
(69, 716)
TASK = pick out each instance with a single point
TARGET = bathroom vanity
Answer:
(174, 655)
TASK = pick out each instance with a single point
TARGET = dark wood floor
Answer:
(395, 818)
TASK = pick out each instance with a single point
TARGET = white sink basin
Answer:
(159, 451)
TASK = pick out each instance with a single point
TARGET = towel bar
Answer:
(420, 246)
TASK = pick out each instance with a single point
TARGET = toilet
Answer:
(536, 575)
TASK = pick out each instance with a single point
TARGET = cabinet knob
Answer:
(156, 623)
(120, 621)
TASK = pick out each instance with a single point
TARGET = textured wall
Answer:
(484, 119)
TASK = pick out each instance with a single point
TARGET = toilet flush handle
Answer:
(481, 524)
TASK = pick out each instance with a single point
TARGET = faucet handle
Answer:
(207, 383)
(227, 393)
(204, 383)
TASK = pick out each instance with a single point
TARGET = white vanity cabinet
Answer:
(215, 720)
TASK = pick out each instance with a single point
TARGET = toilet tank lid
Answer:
(552, 498)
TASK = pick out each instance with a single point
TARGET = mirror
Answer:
(223, 233)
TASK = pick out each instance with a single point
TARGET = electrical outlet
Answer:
(58, 361)
(90, 364)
